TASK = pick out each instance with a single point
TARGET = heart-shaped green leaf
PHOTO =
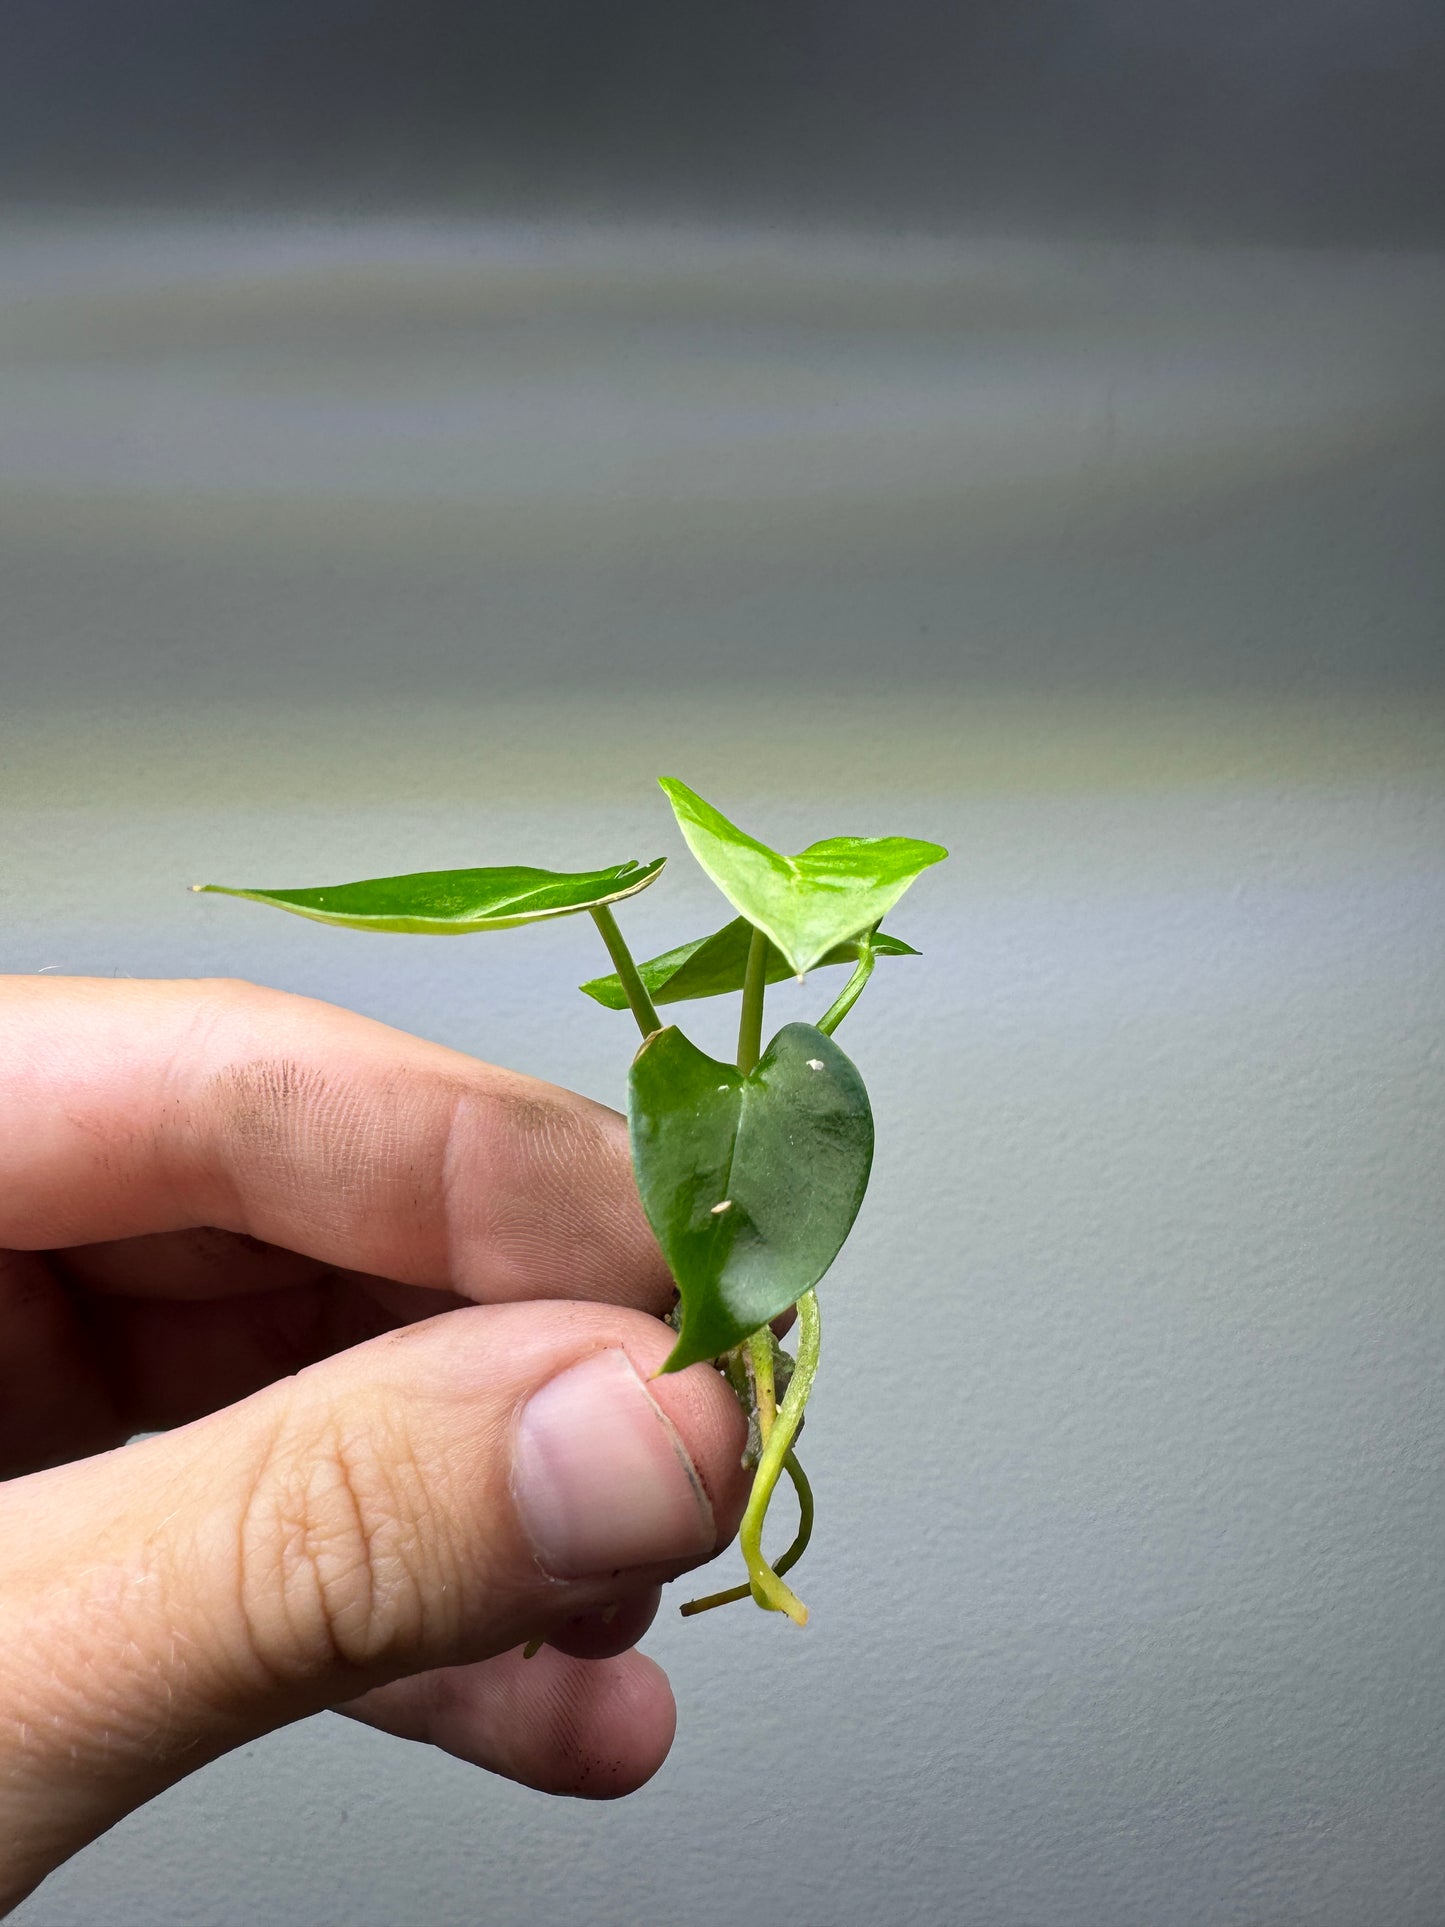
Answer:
(750, 1184)
(453, 902)
(807, 904)
(712, 966)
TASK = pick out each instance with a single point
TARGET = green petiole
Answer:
(760, 1364)
(755, 989)
(852, 990)
(638, 1001)
(788, 1560)
(765, 1584)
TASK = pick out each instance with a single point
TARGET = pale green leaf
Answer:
(713, 966)
(455, 902)
(809, 903)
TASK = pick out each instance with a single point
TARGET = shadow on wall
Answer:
(1282, 123)
(434, 459)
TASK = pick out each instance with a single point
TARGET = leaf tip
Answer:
(682, 1355)
(676, 791)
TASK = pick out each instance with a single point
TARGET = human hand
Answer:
(235, 1213)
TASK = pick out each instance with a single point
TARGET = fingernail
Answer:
(601, 1479)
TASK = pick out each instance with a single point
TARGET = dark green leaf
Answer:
(712, 966)
(807, 904)
(453, 902)
(750, 1184)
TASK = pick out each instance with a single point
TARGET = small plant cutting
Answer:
(751, 1173)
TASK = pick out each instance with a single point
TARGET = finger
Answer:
(55, 1400)
(184, 1321)
(133, 1108)
(168, 1363)
(201, 1263)
(206, 1264)
(83, 1371)
(594, 1728)
(600, 1635)
(429, 1499)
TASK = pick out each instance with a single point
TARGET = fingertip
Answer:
(642, 1708)
(592, 1729)
(616, 1629)
(704, 1411)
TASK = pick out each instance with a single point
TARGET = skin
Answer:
(328, 1263)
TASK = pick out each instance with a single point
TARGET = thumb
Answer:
(428, 1499)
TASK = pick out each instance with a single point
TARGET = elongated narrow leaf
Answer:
(750, 1184)
(808, 903)
(712, 966)
(453, 902)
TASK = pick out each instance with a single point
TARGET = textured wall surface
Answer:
(340, 552)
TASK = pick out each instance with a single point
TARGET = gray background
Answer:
(1079, 509)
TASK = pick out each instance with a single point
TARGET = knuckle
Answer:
(221, 1004)
(339, 1562)
(559, 1215)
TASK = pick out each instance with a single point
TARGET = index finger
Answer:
(129, 1108)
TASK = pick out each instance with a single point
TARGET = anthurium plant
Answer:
(751, 1173)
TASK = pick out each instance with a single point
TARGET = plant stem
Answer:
(766, 1587)
(640, 1004)
(789, 1559)
(765, 1397)
(755, 985)
(851, 991)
